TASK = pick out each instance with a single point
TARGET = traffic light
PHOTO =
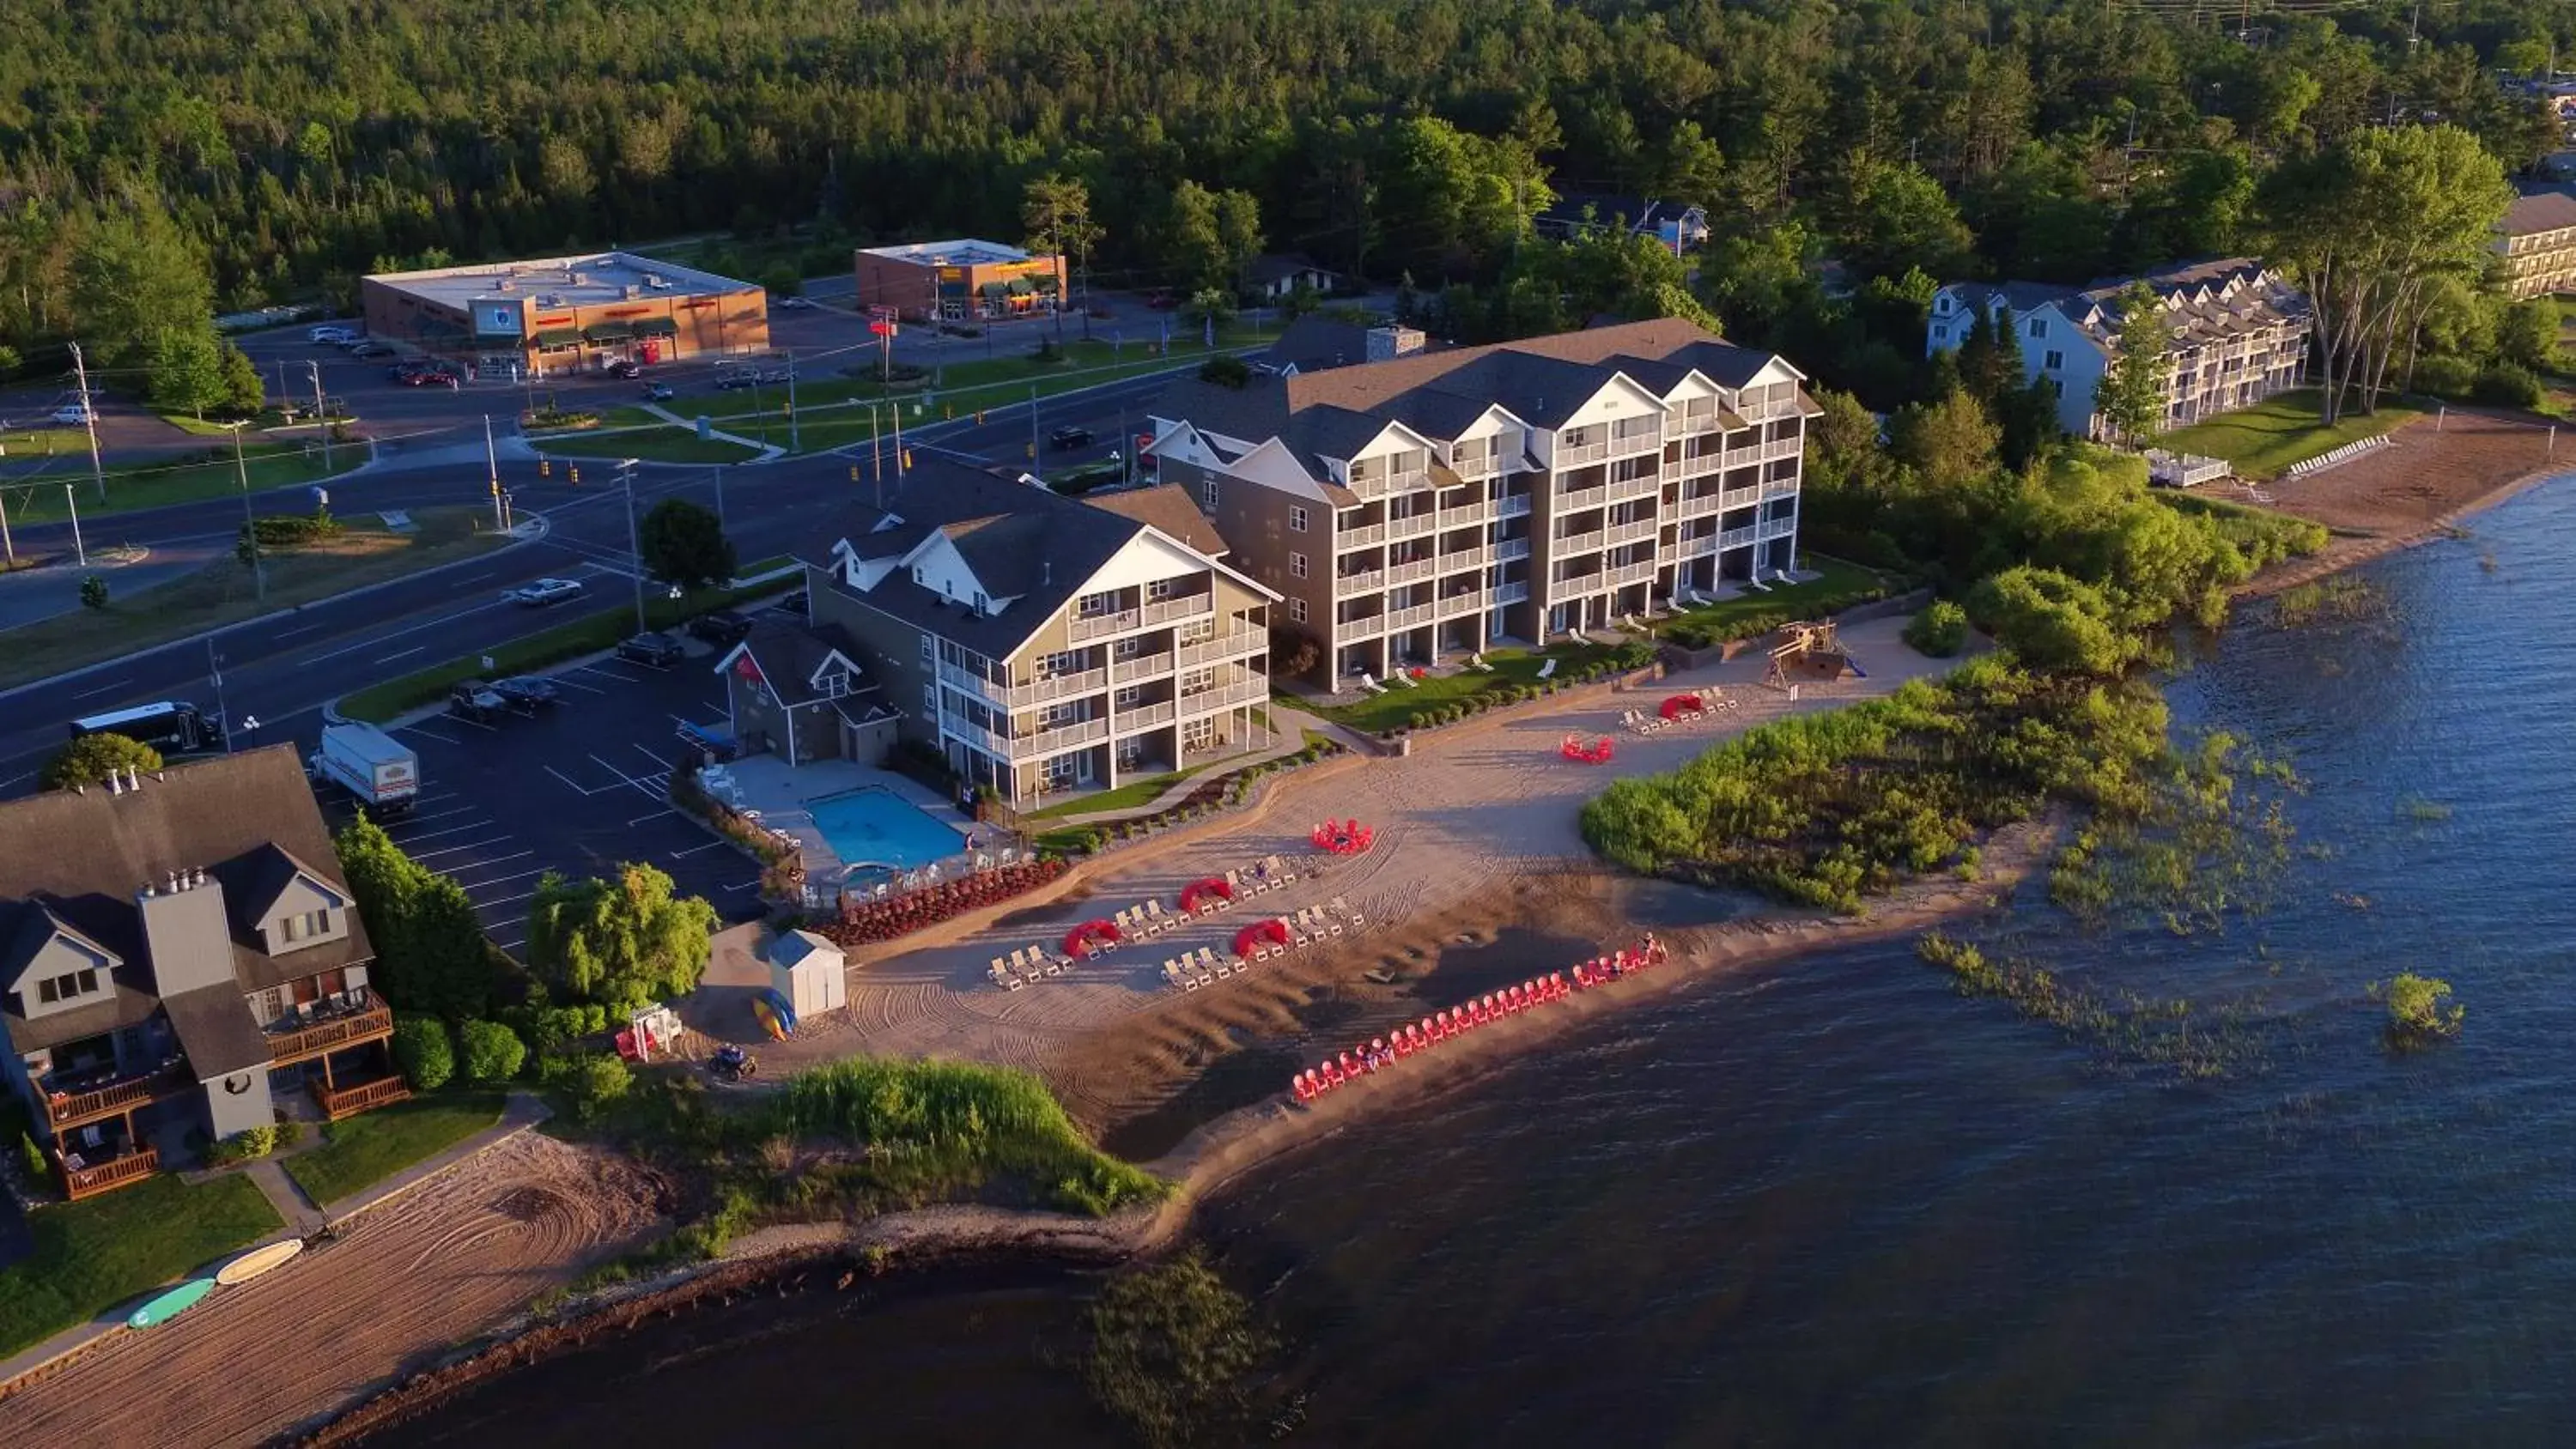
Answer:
(545, 467)
(979, 417)
(575, 471)
(1033, 449)
(907, 457)
(947, 412)
(854, 472)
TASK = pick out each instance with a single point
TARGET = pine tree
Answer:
(2129, 401)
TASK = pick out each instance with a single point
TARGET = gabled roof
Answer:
(1316, 342)
(1281, 266)
(1165, 506)
(2022, 297)
(792, 948)
(792, 656)
(2539, 212)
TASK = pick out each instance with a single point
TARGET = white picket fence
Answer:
(2344, 454)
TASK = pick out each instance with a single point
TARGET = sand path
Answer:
(443, 1262)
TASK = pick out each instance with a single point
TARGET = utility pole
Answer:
(250, 523)
(1033, 425)
(720, 511)
(215, 673)
(321, 415)
(72, 506)
(792, 445)
(492, 474)
(6, 547)
(634, 540)
(89, 420)
(876, 453)
(895, 405)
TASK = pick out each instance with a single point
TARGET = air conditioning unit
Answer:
(630, 291)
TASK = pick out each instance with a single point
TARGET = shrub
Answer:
(91, 758)
(493, 1052)
(2450, 377)
(2052, 621)
(93, 592)
(2416, 1013)
(247, 1145)
(590, 1081)
(2506, 385)
(421, 1049)
(1939, 630)
(34, 1158)
(1225, 370)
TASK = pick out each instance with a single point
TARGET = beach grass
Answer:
(366, 1149)
(94, 1255)
(1838, 586)
(2266, 440)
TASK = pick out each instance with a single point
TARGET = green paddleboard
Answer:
(171, 1304)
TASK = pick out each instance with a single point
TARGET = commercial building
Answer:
(1416, 509)
(2239, 334)
(2536, 243)
(959, 281)
(178, 952)
(1042, 644)
(567, 314)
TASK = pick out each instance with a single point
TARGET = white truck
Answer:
(365, 761)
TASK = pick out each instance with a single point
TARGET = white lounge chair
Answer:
(1548, 670)
(1055, 964)
(1278, 870)
(1357, 921)
(1401, 679)
(1578, 636)
(1369, 684)
(1476, 662)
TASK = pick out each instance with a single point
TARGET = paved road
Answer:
(282, 668)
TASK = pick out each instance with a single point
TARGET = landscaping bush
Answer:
(90, 759)
(493, 1052)
(589, 1081)
(422, 1051)
(868, 921)
(2052, 621)
(93, 593)
(1939, 631)
(247, 1145)
(32, 1158)
(2507, 385)
(2450, 377)
(278, 531)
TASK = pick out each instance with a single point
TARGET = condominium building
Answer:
(2536, 242)
(2239, 334)
(1041, 643)
(1418, 509)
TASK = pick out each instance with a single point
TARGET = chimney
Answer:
(115, 783)
(188, 935)
(170, 883)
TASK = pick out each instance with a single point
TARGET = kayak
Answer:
(171, 1304)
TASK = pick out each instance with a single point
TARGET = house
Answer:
(2536, 245)
(1417, 509)
(178, 951)
(798, 691)
(1679, 226)
(2239, 335)
(1315, 342)
(1273, 275)
(1040, 643)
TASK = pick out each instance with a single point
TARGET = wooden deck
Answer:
(73, 1109)
(285, 1048)
(337, 1103)
(107, 1176)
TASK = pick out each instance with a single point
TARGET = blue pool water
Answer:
(878, 827)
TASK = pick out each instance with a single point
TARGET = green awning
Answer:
(996, 289)
(1019, 286)
(609, 331)
(557, 337)
(657, 327)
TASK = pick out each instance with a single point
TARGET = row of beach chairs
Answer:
(1027, 965)
(1712, 701)
(1206, 966)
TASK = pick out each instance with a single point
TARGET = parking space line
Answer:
(656, 815)
(576, 684)
(750, 884)
(647, 791)
(472, 723)
(477, 845)
(577, 787)
(512, 900)
(694, 849)
(472, 887)
(408, 840)
(429, 734)
(659, 764)
(416, 818)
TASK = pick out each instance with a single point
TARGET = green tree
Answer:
(684, 543)
(1889, 219)
(622, 943)
(134, 278)
(242, 393)
(90, 759)
(2527, 334)
(2051, 621)
(493, 1053)
(187, 370)
(1055, 210)
(431, 955)
(423, 1052)
(93, 593)
(2130, 398)
(1238, 230)
(1951, 440)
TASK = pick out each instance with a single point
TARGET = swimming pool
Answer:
(877, 826)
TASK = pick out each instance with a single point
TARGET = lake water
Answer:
(1835, 1203)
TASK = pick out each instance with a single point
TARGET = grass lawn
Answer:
(224, 591)
(1395, 708)
(206, 475)
(2263, 441)
(368, 1148)
(593, 635)
(663, 444)
(1125, 797)
(1841, 586)
(91, 1256)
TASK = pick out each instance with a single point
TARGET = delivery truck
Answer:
(374, 766)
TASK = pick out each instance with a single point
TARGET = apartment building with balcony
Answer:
(1046, 644)
(2536, 245)
(178, 952)
(2239, 334)
(1418, 509)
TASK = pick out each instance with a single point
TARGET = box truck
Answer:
(365, 761)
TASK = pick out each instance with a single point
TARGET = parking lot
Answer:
(578, 787)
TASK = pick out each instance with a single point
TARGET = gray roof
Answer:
(244, 819)
(1252, 412)
(1281, 266)
(2020, 296)
(1315, 342)
(2539, 212)
(127, 1006)
(216, 1031)
(1166, 506)
(789, 655)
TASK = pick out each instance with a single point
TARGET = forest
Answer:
(287, 145)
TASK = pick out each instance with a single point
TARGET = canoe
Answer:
(768, 1019)
(171, 1304)
(780, 1004)
(257, 1261)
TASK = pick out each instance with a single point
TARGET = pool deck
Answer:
(784, 799)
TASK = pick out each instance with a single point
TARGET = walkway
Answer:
(294, 1209)
(1291, 726)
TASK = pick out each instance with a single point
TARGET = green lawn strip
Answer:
(93, 1255)
(368, 1148)
(663, 444)
(225, 592)
(598, 633)
(2266, 440)
(269, 465)
(1125, 797)
(1842, 585)
(1396, 707)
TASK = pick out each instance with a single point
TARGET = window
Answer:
(1207, 492)
(1296, 565)
(2053, 361)
(1067, 662)
(1297, 609)
(836, 683)
(1199, 734)
(1198, 681)
(1129, 696)
(2039, 327)
(929, 653)
(1196, 631)
(1296, 519)
(1941, 305)
(1940, 333)
(1092, 606)
(68, 987)
(1056, 716)
(982, 605)
(1157, 590)
(930, 698)
(306, 926)
(1128, 648)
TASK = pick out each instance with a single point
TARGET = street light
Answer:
(634, 540)
(250, 524)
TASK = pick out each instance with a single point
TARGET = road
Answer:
(280, 669)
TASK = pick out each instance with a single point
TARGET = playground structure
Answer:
(1810, 651)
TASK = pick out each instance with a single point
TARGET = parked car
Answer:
(407, 373)
(795, 304)
(544, 591)
(371, 349)
(441, 377)
(723, 628)
(658, 392)
(797, 602)
(475, 700)
(626, 367)
(1069, 436)
(528, 693)
(73, 415)
(778, 374)
(735, 381)
(327, 333)
(661, 651)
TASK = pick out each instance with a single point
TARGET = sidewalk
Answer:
(767, 451)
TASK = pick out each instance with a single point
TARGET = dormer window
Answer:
(305, 925)
(982, 605)
(69, 987)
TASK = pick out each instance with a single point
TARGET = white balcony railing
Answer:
(1062, 737)
(1645, 487)
(1413, 525)
(976, 735)
(1636, 435)
(1464, 514)
(1411, 572)
(1740, 497)
(1575, 500)
(1737, 537)
(1575, 543)
(1360, 537)
(1450, 606)
(1250, 689)
(1142, 666)
(1472, 466)
(1699, 505)
(1636, 573)
(1234, 645)
(1365, 581)
(1778, 528)
(1413, 618)
(1629, 532)
(1510, 549)
(1780, 488)
(1465, 558)
(1743, 457)
(1575, 455)
(1514, 592)
(1779, 448)
(1140, 717)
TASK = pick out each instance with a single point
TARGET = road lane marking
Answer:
(406, 654)
(694, 849)
(307, 629)
(106, 688)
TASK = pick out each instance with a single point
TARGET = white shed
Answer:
(807, 970)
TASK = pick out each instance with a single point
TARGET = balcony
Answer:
(1629, 532)
(71, 1109)
(1779, 448)
(304, 1043)
(1744, 457)
(1464, 514)
(1413, 525)
(1360, 537)
(93, 1178)
(1737, 537)
(1020, 696)
(978, 736)
(1141, 666)
(1232, 645)
(1575, 455)
(1575, 543)
(1739, 497)
(1644, 487)
(1062, 737)
(1778, 528)
(1575, 500)
(1636, 435)
(1515, 592)
(1410, 572)
(1140, 717)
(1251, 689)
(1512, 505)
(1451, 606)
(1700, 505)
(1757, 410)
(1465, 558)
(1366, 581)
(1635, 573)
(1685, 422)
(339, 1102)
(1510, 549)
(1695, 545)
(1405, 480)
(1095, 626)
(1472, 466)
(1161, 611)
(1413, 618)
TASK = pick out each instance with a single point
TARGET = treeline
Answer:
(295, 143)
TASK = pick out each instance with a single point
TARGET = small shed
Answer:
(807, 970)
